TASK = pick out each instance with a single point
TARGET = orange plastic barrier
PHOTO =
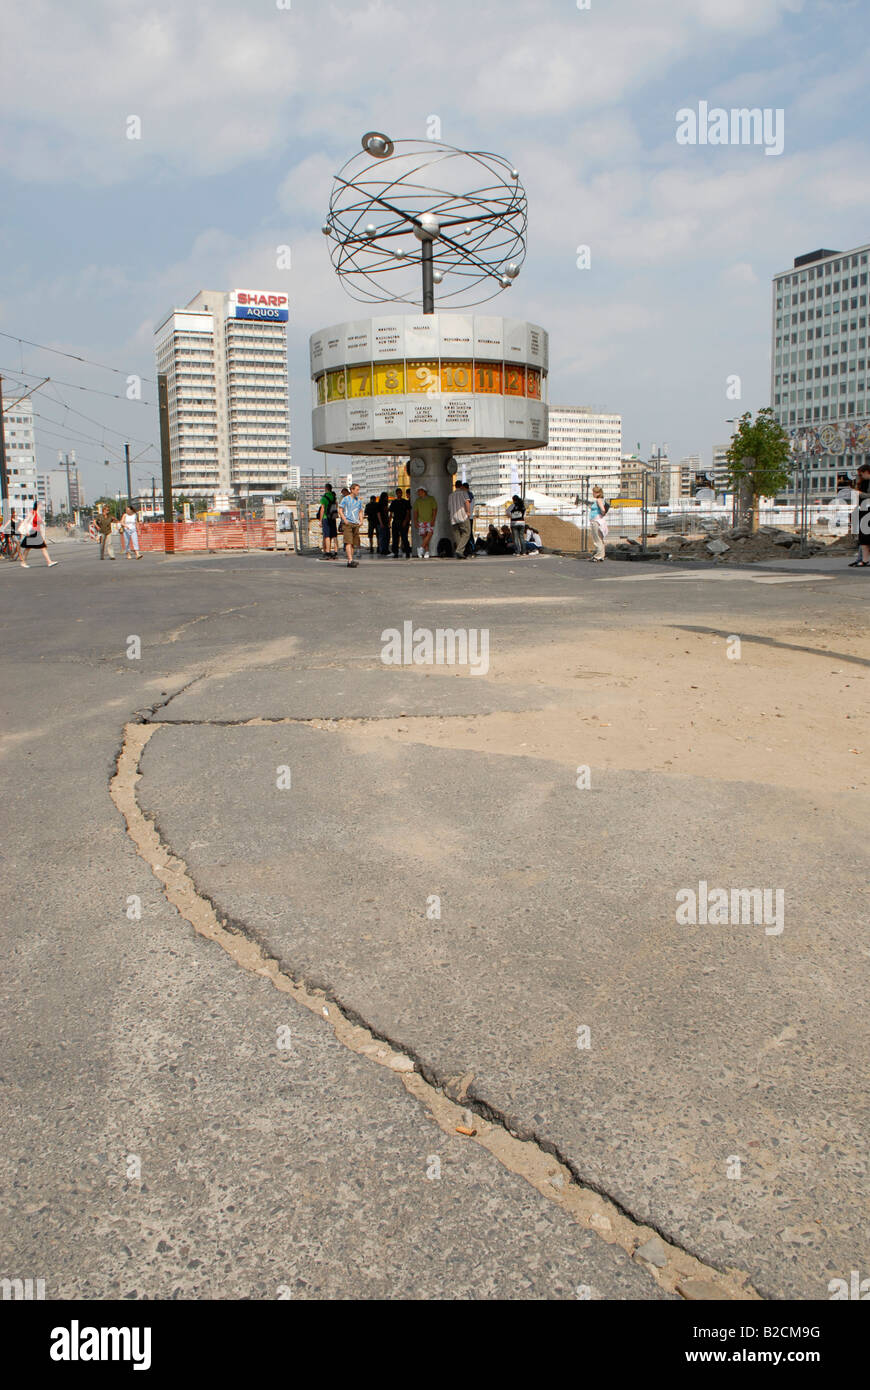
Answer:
(207, 535)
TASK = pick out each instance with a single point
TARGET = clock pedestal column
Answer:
(431, 466)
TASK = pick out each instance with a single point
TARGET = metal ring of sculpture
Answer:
(462, 213)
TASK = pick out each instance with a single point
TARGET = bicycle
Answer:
(10, 546)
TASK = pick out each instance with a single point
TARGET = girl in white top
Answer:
(130, 533)
(33, 537)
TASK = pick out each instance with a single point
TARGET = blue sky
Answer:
(248, 109)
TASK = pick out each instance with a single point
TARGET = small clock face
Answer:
(416, 468)
(452, 465)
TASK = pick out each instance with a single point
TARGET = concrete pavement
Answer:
(473, 907)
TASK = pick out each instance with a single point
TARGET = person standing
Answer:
(597, 523)
(383, 522)
(470, 548)
(327, 516)
(130, 532)
(400, 513)
(350, 508)
(371, 516)
(518, 524)
(425, 512)
(862, 518)
(104, 526)
(460, 522)
(33, 538)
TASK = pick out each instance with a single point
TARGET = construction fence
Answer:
(213, 535)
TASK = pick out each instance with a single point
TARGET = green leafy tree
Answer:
(758, 460)
(288, 495)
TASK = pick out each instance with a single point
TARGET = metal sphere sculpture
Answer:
(414, 211)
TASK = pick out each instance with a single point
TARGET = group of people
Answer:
(127, 527)
(25, 536)
(389, 521)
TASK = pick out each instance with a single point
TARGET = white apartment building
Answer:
(584, 444)
(720, 469)
(18, 434)
(820, 382)
(225, 360)
(55, 491)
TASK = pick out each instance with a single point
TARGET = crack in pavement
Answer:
(445, 1099)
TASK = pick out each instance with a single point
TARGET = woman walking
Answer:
(130, 532)
(598, 523)
(518, 524)
(33, 538)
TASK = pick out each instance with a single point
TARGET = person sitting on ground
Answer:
(507, 541)
(534, 545)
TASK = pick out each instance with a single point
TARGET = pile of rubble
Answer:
(737, 545)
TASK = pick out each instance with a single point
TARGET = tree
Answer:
(758, 458)
(288, 495)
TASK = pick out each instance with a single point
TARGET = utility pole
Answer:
(4, 485)
(129, 485)
(65, 459)
(165, 458)
(153, 496)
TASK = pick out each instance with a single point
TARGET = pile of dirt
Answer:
(557, 534)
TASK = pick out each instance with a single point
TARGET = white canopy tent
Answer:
(540, 501)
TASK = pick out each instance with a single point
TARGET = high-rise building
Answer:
(585, 445)
(720, 469)
(56, 491)
(820, 383)
(225, 360)
(18, 434)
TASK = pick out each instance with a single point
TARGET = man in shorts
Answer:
(425, 512)
(350, 508)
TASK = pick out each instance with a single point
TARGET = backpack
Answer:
(445, 548)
